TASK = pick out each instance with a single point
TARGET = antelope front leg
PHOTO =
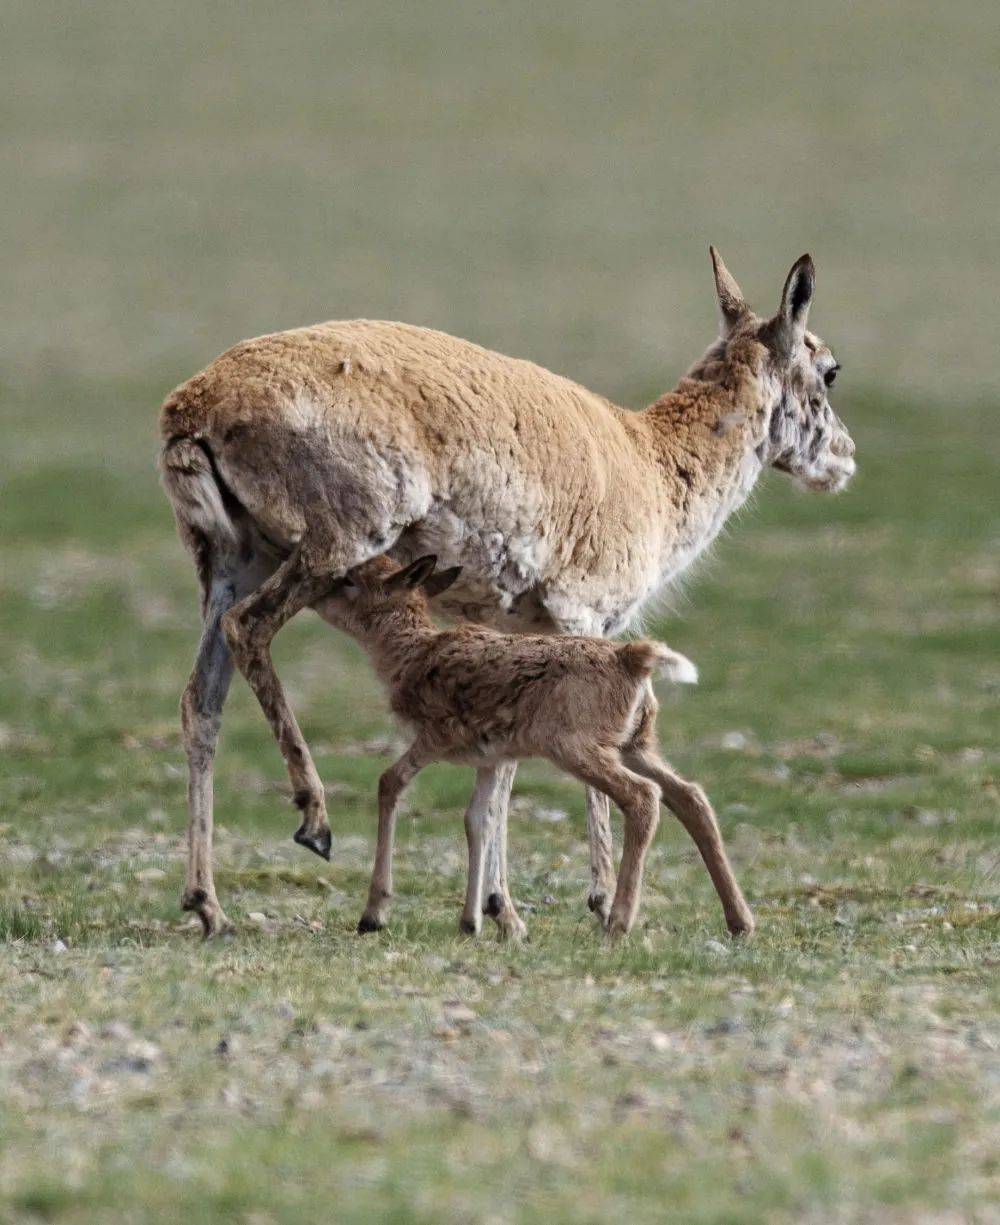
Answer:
(475, 836)
(492, 795)
(602, 855)
(390, 787)
(249, 628)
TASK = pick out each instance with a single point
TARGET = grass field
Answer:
(545, 182)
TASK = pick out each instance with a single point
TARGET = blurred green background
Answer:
(543, 179)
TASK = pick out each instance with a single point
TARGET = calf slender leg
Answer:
(637, 799)
(602, 862)
(642, 815)
(201, 719)
(599, 837)
(691, 806)
(492, 798)
(249, 629)
(390, 787)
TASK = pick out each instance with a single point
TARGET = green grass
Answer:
(544, 179)
(840, 1066)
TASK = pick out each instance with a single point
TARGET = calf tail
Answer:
(642, 659)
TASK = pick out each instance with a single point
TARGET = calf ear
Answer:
(344, 587)
(441, 580)
(732, 306)
(789, 324)
(414, 574)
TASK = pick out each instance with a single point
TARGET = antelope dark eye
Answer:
(830, 377)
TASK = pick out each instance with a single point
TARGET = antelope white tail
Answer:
(195, 494)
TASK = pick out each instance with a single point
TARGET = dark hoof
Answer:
(597, 903)
(494, 905)
(367, 924)
(213, 921)
(467, 927)
(320, 843)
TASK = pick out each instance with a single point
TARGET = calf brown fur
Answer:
(474, 696)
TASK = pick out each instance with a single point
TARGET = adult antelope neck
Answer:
(709, 438)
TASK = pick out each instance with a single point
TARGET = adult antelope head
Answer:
(795, 372)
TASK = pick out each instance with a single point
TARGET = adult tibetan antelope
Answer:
(297, 456)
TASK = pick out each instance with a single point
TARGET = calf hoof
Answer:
(599, 904)
(368, 923)
(616, 930)
(468, 927)
(319, 842)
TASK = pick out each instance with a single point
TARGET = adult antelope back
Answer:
(296, 456)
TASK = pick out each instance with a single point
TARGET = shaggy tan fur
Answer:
(474, 696)
(294, 457)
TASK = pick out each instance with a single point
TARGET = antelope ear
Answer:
(414, 574)
(732, 306)
(793, 313)
(441, 580)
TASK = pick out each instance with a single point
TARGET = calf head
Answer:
(381, 589)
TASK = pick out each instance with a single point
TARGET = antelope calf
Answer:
(478, 697)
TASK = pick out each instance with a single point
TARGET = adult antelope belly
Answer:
(504, 552)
